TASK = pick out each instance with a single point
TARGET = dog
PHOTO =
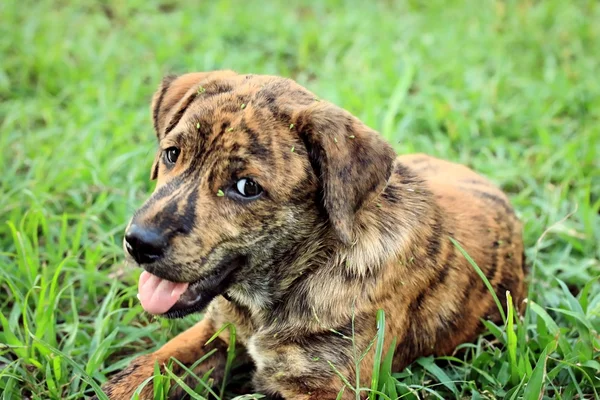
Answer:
(287, 217)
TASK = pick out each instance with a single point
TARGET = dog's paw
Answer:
(124, 384)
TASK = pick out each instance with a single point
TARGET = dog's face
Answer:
(248, 168)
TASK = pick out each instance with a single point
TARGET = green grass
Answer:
(510, 88)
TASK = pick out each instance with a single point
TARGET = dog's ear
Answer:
(173, 93)
(163, 101)
(154, 170)
(174, 90)
(352, 161)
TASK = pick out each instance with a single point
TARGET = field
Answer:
(510, 88)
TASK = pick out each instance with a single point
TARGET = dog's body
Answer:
(339, 229)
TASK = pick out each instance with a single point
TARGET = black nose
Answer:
(145, 245)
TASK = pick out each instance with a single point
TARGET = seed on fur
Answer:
(291, 126)
(220, 193)
(378, 205)
(315, 358)
(293, 148)
(351, 136)
(201, 90)
(198, 125)
(243, 105)
(230, 129)
(335, 139)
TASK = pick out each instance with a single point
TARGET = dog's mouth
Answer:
(175, 300)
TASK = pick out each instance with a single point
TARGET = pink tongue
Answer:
(158, 295)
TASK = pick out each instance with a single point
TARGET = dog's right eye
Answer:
(171, 154)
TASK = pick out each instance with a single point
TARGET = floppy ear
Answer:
(154, 170)
(174, 91)
(171, 98)
(163, 100)
(352, 161)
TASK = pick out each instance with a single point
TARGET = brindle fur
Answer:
(345, 227)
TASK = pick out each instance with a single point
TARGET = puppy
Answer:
(287, 217)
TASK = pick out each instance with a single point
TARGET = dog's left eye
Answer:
(248, 188)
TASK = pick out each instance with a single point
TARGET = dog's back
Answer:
(449, 298)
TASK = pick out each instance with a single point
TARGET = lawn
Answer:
(511, 88)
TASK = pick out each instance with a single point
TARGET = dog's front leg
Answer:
(308, 387)
(187, 348)
(302, 372)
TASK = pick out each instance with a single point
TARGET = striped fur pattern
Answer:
(343, 228)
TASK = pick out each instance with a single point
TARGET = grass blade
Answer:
(88, 379)
(378, 352)
(551, 326)
(183, 385)
(511, 341)
(438, 373)
(534, 389)
(483, 278)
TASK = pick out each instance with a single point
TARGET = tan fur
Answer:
(344, 228)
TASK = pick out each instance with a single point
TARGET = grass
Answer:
(510, 88)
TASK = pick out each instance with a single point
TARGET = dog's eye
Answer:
(248, 188)
(171, 154)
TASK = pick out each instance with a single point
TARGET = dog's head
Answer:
(249, 168)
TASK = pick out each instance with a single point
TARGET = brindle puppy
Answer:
(285, 215)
